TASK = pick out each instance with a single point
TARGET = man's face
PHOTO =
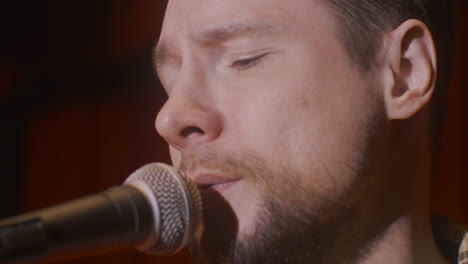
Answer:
(268, 116)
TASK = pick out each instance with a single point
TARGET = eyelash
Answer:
(248, 62)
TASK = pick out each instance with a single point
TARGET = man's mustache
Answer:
(243, 165)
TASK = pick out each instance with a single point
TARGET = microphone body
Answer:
(157, 210)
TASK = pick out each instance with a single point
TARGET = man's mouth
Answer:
(214, 191)
(213, 182)
(220, 187)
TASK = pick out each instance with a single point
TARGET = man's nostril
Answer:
(191, 130)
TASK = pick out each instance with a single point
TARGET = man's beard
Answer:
(295, 223)
(292, 231)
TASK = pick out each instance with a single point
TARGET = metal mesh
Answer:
(179, 206)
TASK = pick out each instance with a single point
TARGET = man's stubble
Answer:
(296, 223)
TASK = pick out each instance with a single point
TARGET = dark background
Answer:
(78, 99)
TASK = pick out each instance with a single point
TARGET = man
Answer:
(306, 126)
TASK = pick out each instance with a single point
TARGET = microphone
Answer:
(156, 210)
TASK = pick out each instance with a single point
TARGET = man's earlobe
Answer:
(411, 62)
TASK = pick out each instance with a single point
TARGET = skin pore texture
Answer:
(294, 149)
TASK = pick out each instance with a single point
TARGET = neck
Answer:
(408, 240)
(408, 237)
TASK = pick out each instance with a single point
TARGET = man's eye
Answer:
(248, 62)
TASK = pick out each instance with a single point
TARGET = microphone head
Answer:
(176, 204)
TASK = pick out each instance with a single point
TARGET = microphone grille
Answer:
(178, 207)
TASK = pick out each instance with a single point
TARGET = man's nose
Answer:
(185, 120)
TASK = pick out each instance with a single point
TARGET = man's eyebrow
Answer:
(218, 34)
(233, 30)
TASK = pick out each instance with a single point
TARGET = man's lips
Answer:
(214, 191)
(213, 181)
(220, 187)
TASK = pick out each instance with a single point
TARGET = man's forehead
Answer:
(215, 21)
(198, 15)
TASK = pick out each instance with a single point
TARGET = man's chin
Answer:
(293, 223)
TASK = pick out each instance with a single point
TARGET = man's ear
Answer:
(410, 62)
